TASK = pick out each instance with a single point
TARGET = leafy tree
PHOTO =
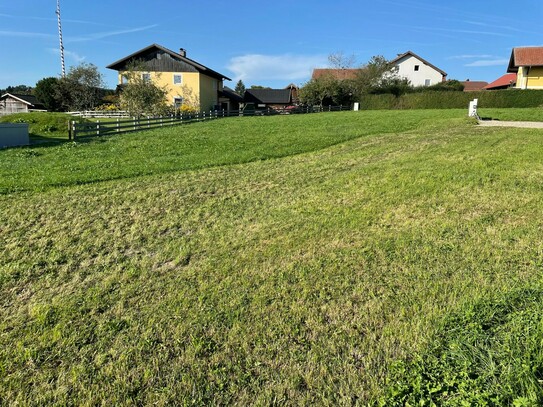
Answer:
(46, 92)
(140, 96)
(450, 85)
(240, 88)
(81, 88)
(372, 74)
(259, 87)
(377, 75)
(338, 60)
(316, 91)
(393, 85)
(191, 101)
(18, 89)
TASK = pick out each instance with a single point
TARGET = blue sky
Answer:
(266, 43)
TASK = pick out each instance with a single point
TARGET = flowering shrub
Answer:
(108, 107)
(187, 109)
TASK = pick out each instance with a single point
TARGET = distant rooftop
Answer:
(525, 56)
(505, 81)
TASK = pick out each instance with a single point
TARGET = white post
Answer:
(472, 111)
(356, 106)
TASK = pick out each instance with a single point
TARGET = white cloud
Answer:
(102, 35)
(23, 34)
(471, 56)
(259, 68)
(489, 62)
(69, 54)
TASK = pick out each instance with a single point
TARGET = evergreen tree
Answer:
(240, 88)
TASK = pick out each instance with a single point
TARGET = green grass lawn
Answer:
(336, 259)
(534, 114)
(43, 127)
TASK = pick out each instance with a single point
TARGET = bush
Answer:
(448, 86)
(188, 110)
(455, 99)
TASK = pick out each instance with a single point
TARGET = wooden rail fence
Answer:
(123, 124)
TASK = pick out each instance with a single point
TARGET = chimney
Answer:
(183, 52)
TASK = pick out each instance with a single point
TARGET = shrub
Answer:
(188, 110)
(455, 100)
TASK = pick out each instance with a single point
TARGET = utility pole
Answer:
(60, 39)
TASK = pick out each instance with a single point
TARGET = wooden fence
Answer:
(93, 114)
(123, 125)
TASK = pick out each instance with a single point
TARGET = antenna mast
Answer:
(60, 39)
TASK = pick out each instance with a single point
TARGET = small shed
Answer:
(229, 99)
(12, 103)
(269, 98)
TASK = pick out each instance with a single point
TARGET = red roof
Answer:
(471, 86)
(335, 73)
(504, 81)
(525, 56)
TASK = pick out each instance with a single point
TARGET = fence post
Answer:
(134, 122)
(74, 130)
(148, 122)
(97, 127)
(69, 130)
(118, 125)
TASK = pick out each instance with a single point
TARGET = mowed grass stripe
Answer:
(198, 145)
(290, 281)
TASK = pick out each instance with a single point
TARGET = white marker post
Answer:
(472, 111)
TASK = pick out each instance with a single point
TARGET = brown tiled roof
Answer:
(471, 86)
(504, 81)
(335, 73)
(525, 56)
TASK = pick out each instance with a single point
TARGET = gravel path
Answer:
(499, 123)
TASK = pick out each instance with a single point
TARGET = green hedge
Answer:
(455, 100)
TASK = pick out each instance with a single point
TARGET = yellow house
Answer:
(186, 81)
(527, 63)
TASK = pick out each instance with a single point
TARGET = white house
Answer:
(419, 71)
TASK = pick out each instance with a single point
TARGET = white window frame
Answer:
(180, 77)
(177, 101)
